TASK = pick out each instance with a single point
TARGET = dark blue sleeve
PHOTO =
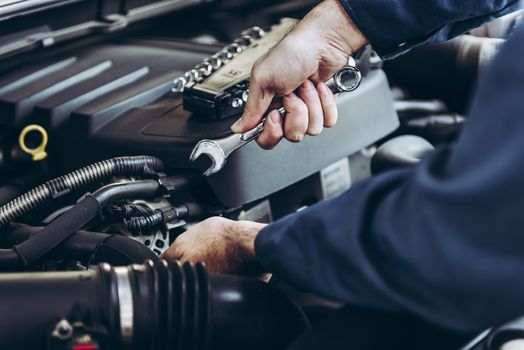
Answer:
(443, 240)
(396, 26)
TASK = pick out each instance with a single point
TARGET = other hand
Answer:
(225, 246)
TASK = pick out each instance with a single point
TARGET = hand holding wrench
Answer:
(345, 80)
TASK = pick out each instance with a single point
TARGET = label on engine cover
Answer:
(335, 179)
(259, 213)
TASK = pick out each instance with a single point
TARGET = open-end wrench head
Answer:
(211, 149)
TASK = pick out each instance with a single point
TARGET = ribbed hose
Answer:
(140, 224)
(154, 306)
(73, 220)
(140, 165)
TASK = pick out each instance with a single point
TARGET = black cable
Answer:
(126, 211)
(122, 166)
(126, 190)
(138, 225)
(114, 249)
(86, 246)
(73, 220)
(142, 224)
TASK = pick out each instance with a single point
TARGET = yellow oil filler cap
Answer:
(38, 153)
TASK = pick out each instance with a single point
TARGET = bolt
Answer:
(237, 102)
(179, 84)
(245, 95)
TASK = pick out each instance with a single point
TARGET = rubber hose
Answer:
(126, 190)
(139, 224)
(74, 219)
(86, 246)
(119, 250)
(122, 166)
(146, 307)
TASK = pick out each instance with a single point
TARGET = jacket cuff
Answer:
(266, 244)
(383, 46)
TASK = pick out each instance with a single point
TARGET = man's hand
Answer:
(225, 246)
(296, 70)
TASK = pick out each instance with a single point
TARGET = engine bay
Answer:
(96, 180)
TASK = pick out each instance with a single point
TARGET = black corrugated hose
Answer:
(121, 166)
(73, 220)
(87, 246)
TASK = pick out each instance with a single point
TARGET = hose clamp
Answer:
(125, 297)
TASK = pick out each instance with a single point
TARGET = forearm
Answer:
(442, 240)
(394, 27)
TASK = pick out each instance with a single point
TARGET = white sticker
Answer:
(335, 179)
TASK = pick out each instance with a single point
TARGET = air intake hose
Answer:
(122, 166)
(145, 307)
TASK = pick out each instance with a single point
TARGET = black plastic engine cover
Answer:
(164, 129)
(115, 77)
(115, 99)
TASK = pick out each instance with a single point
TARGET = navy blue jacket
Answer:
(395, 26)
(443, 240)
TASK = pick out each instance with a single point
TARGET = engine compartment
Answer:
(115, 186)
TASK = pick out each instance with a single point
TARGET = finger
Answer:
(308, 93)
(329, 105)
(172, 254)
(273, 131)
(297, 120)
(258, 101)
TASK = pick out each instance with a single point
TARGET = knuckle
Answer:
(307, 87)
(257, 73)
(299, 109)
(171, 254)
(249, 112)
(302, 108)
(297, 126)
(213, 221)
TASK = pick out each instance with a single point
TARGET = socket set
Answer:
(219, 86)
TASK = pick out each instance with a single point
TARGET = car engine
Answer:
(96, 180)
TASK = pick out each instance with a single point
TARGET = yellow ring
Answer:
(38, 153)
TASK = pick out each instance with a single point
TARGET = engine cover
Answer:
(115, 99)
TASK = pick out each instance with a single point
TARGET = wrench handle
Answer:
(252, 134)
(345, 80)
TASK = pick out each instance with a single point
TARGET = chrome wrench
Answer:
(346, 79)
